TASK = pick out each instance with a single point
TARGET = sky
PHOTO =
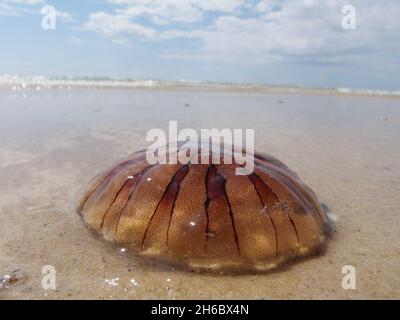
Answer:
(277, 42)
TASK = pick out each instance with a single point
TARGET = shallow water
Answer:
(53, 141)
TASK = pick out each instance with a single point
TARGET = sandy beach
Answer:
(53, 141)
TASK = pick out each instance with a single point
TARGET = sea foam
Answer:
(37, 83)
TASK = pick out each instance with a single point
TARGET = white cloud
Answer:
(164, 12)
(163, 7)
(16, 7)
(167, 11)
(111, 25)
(7, 10)
(260, 31)
(19, 7)
(64, 16)
(157, 12)
(292, 29)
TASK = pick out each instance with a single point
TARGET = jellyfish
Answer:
(204, 216)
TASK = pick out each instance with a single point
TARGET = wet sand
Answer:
(54, 141)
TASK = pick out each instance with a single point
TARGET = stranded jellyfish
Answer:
(206, 216)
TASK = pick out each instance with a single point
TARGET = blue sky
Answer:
(258, 41)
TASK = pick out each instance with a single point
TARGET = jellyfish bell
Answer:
(205, 216)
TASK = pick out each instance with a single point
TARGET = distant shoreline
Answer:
(37, 83)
